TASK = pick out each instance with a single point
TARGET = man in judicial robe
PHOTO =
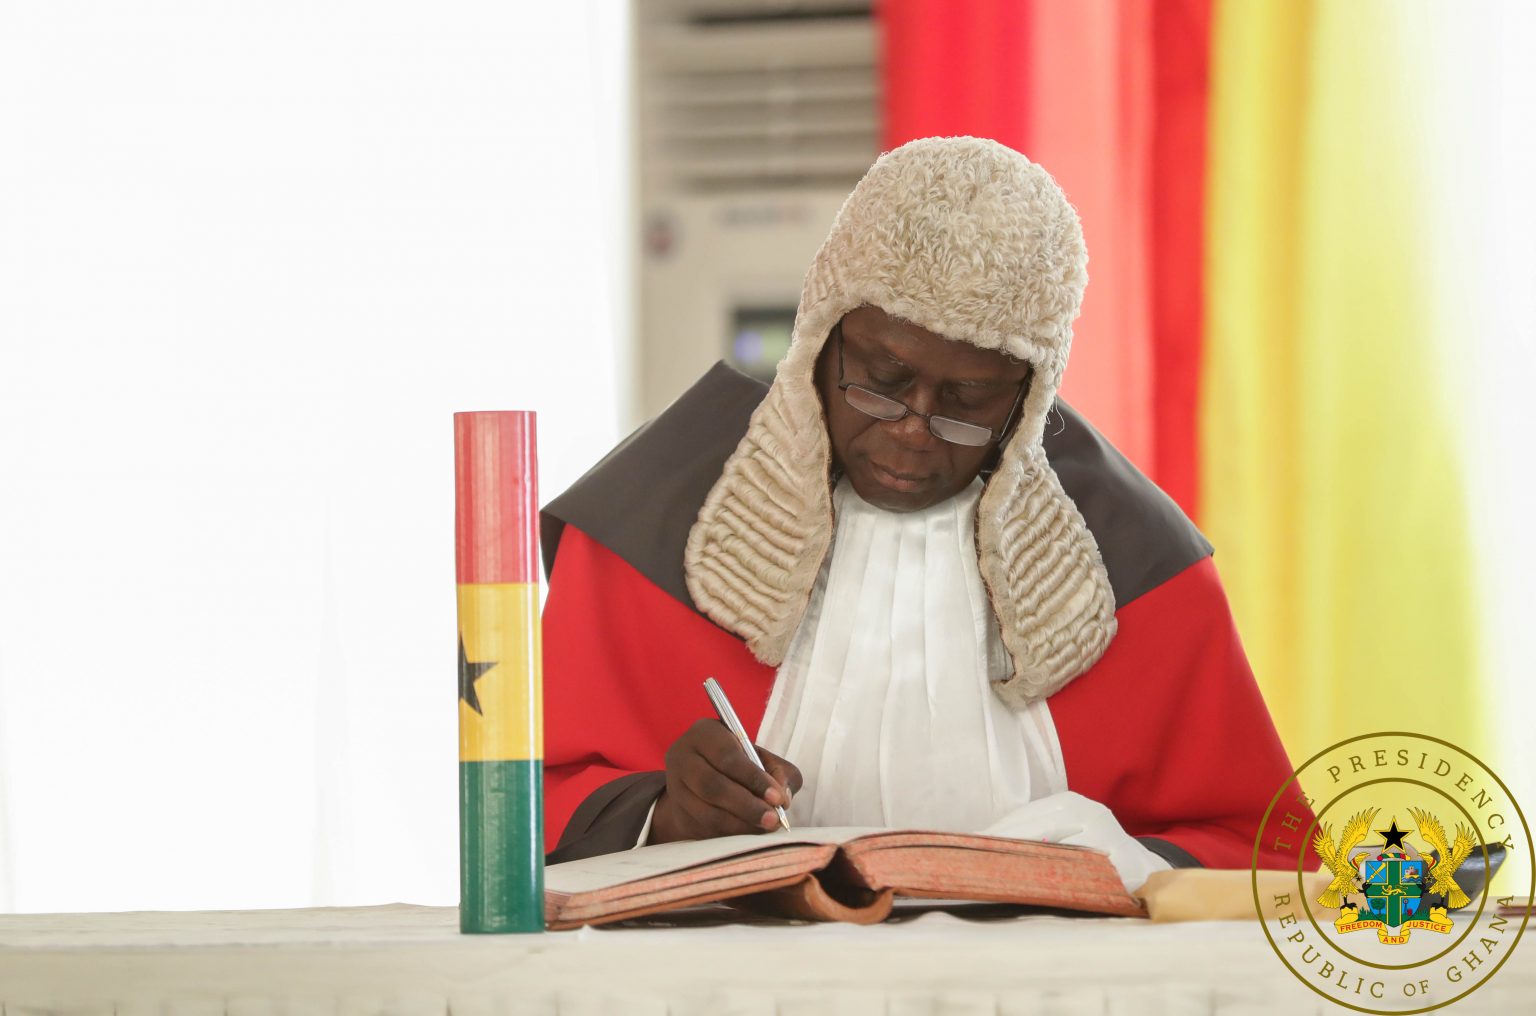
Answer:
(937, 597)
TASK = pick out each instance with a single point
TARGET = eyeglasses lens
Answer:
(878, 406)
(956, 432)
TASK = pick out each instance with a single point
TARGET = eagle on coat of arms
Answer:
(1448, 857)
(1337, 857)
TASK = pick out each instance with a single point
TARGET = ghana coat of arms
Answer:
(1392, 888)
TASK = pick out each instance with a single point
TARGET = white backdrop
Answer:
(253, 255)
(1485, 155)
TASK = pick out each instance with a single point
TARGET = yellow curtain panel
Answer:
(1331, 482)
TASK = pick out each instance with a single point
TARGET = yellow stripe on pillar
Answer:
(499, 629)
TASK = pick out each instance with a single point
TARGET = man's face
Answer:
(900, 465)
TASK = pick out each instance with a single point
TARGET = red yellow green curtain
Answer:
(1262, 332)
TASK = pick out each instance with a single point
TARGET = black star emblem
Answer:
(1394, 836)
(469, 673)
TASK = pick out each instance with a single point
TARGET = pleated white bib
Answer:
(884, 700)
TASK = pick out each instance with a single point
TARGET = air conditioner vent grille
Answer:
(732, 101)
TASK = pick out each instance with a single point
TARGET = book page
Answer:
(606, 870)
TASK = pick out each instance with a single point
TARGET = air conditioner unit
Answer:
(755, 120)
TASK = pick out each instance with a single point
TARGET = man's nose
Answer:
(912, 430)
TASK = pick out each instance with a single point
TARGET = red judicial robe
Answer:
(1168, 729)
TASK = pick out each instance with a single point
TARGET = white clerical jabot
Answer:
(884, 700)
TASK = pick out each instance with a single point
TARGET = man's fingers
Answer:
(709, 743)
(728, 759)
(785, 772)
(722, 791)
(716, 788)
(709, 817)
(721, 749)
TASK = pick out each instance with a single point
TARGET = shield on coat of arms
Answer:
(1394, 886)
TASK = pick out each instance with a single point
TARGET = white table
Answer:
(412, 961)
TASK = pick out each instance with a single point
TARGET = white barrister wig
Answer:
(971, 240)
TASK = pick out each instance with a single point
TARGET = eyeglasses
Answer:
(883, 407)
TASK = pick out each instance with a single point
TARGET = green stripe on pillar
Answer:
(501, 835)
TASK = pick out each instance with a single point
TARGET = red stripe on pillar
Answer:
(497, 488)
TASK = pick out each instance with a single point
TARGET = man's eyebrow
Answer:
(871, 350)
(881, 351)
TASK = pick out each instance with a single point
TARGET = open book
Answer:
(832, 874)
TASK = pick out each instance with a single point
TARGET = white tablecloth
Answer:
(412, 961)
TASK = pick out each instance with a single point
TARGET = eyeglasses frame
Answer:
(928, 418)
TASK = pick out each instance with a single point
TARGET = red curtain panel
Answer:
(1111, 98)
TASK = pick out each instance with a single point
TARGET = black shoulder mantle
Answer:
(641, 500)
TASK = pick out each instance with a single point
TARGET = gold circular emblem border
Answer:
(1258, 907)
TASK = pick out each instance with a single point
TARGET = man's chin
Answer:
(886, 498)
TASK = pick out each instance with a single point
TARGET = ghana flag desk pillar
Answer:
(501, 723)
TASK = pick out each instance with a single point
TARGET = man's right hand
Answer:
(713, 789)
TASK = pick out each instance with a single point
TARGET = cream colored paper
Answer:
(608, 870)
(1207, 894)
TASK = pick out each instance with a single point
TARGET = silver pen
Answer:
(728, 717)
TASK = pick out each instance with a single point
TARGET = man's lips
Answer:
(903, 482)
